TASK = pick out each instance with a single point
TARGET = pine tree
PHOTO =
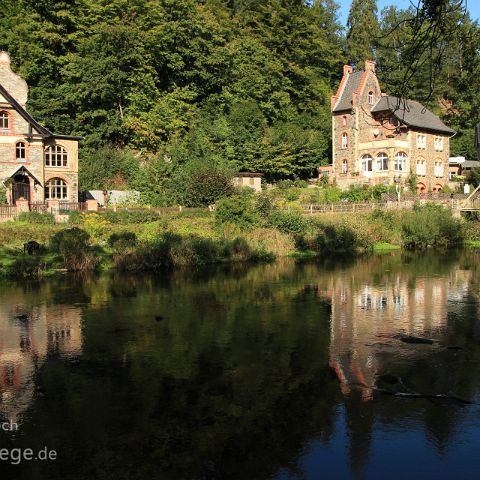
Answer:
(362, 25)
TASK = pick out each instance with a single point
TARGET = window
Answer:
(439, 144)
(56, 188)
(382, 162)
(370, 98)
(421, 141)
(367, 163)
(56, 156)
(401, 162)
(4, 118)
(344, 166)
(344, 140)
(421, 167)
(20, 152)
(344, 121)
(438, 169)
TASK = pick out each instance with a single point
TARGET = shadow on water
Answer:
(264, 372)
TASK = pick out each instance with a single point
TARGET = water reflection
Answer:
(29, 333)
(250, 373)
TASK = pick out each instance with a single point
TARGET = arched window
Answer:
(382, 162)
(370, 98)
(367, 163)
(401, 162)
(344, 140)
(4, 120)
(344, 121)
(56, 188)
(56, 156)
(20, 152)
(421, 167)
(344, 166)
(438, 169)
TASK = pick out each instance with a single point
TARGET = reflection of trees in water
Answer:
(235, 379)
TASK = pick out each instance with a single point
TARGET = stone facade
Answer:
(24, 168)
(372, 145)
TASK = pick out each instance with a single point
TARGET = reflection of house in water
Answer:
(365, 317)
(27, 336)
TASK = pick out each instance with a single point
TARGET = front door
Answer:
(20, 188)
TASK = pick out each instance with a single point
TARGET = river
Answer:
(283, 371)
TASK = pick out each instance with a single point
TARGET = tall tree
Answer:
(363, 29)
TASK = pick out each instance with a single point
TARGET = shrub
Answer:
(3, 195)
(137, 217)
(263, 204)
(430, 225)
(95, 224)
(331, 194)
(73, 245)
(26, 267)
(37, 218)
(238, 210)
(122, 240)
(339, 239)
(206, 188)
(288, 222)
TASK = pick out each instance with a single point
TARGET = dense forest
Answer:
(160, 89)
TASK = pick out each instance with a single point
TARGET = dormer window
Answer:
(370, 98)
(20, 152)
(4, 120)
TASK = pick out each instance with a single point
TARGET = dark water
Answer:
(269, 372)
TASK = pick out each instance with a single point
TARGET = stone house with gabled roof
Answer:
(378, 138)
(35, 164)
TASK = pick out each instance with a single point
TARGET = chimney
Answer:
(347, 69)
(370, 66)
(13, 83)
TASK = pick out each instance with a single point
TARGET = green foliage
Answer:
(263, 204)
(3, 195)
(37, 218)
(291, 222)
(74, 246)
(238, 210)
(122, 241)
(340, 239)
(125, 217)
(206, 188)
(430, 225)
(26, 268)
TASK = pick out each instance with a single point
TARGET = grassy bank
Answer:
(240, 231)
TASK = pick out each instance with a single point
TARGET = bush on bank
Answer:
(431, 225)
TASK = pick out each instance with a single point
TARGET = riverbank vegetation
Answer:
(244, 228)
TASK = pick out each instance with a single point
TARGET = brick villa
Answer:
(35, 164)
(381, 139)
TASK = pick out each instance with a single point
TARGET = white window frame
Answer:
(56, 188)
(370, 98)
(56, 156)
(344, 166)
(344, 143)
(421, 167)
(366, 163)
(400, 164)
(4, 120)
(439, 144)
(438, 169)
(21, 147)
(421, 141)
(381, 161)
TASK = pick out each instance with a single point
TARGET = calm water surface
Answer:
(268, 372)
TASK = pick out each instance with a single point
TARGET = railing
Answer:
(7, 212)
(72, 206)
(343, 207)
(39, 207)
